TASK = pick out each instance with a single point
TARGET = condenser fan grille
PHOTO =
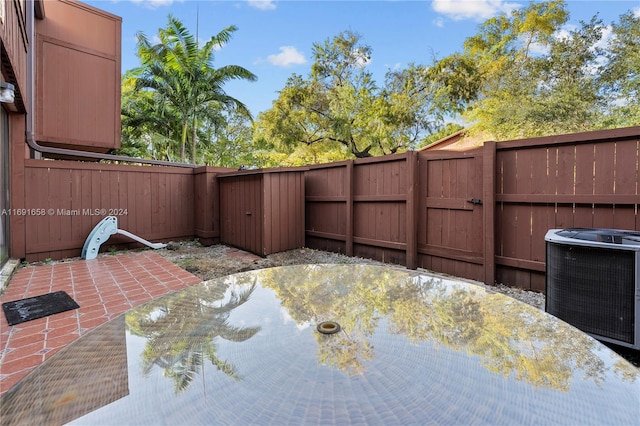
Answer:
(593, 289)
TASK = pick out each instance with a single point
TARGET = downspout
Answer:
(97, 156)
(31, 80)
(37, 149)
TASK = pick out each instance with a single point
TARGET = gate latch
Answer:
(475, 201)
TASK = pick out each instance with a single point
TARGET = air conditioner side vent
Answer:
(594, 287)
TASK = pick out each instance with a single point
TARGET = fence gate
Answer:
(450, 220)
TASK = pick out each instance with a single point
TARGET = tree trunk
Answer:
(183, 142)
(193, 140)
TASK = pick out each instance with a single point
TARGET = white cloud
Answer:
(288, 55)
(361, 59)
(262, 4)
(538, 49)
(478, 10)
(607, 36)
(636, 12)
(438, 22)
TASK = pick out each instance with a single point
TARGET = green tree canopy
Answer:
(338, 111)
(620, 77)
(525, 74)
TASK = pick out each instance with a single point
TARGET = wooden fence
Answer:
(64, 200)
(480, 214)
(589, 180)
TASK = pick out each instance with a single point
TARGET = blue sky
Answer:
(275, 38)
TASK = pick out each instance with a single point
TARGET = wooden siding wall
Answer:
(15, 43)
(65, 200)
(78, 77)
(479, 214)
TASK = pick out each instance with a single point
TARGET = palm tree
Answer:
(149, 128)
(181, 73)
(184, 330)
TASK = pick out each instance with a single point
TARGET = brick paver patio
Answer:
(104, 288)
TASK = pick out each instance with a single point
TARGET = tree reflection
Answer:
(315, 294)
(511, 338)
(182, 330)
(371, 304)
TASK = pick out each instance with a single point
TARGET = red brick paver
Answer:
(104, 288)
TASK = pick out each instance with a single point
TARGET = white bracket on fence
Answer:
(105, 229)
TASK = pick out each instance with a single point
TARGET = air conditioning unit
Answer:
(593, 282)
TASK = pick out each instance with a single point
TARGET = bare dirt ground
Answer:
(220, 260)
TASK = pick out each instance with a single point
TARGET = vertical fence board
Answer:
(522, 231)
(627, 182)
(564, 169)
(627, 175)
(412, 210)
(349, 231)
(271, 205)
(540, 169)
(80, 222)
(585, 163)
(434, 177)
(59, 224)
(507, 161)
(626, 217)
(489, 211)
(604, 170)
(123, 185)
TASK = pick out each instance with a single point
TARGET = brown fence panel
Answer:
(328, 207)
(585, 180)
(450, 224)
(65, 200)
(364, 208)
(480, 214)
(380, 190)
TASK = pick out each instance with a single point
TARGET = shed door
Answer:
(241, 212)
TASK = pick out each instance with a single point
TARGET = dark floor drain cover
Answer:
(31, 308)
